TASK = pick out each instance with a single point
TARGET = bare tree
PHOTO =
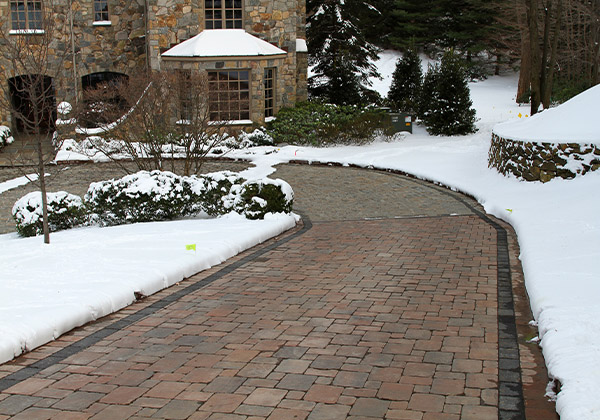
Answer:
(33, 60)
(152, 120)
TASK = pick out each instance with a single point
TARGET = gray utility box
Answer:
(399, 120)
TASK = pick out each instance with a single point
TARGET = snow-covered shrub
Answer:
(211, 191)
(140, 197)
(243, 140)
(257, 198)
(64, 211)
(5, 136)
(258, 137)
(154, 196)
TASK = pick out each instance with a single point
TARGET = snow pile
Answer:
(575, 121)
(17, 182)
(99, 149)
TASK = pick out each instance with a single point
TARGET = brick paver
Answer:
(392, 318)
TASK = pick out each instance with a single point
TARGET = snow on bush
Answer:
(64, 211)
(140, 197)
(257, 198)
(155, 196)
(212, 192)
(5, 136)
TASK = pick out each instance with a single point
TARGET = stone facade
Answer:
(542, 161)
(138, 32)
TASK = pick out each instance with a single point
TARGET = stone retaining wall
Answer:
(542, 161)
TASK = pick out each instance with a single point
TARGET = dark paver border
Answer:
(510, 388)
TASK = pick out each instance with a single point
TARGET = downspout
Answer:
(147, 37)
(73, 52)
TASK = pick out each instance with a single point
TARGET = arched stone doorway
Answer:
(33, 103)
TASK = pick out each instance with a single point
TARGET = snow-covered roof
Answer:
(212, 43)
(574, 121)
(301, 45)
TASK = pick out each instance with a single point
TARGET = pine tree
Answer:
(445, 99)
(342, 59)
(414, 23)
(406, 82)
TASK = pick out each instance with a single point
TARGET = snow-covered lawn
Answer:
(558, 225)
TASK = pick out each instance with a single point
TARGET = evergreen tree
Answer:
(445, 99)
(342, 59)
(414, 22)
(466, 25)
(406, 82)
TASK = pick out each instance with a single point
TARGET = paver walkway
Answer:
(393, 301)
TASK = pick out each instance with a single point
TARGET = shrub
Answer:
(210, 191)
(406, 83)
(140, 197)
(257, 198)
(6, 137)
(64, 211)
(445, 98)
(318, 124)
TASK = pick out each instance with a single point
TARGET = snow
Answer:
(574, 121)
(17, 182)
(223, 43)
(301, 45)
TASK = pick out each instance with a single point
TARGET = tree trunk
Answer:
(525, 70)
(547, 92)
(42, 178)
(545, 48)
(532, 23)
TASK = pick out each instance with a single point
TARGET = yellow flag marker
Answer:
(191, 247)
(520, 115)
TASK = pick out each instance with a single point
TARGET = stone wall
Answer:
(542, 161)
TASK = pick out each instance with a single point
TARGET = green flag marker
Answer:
(191, 247)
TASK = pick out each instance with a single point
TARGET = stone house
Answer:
(255, 48)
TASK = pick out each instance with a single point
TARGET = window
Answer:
(186, 104)
(101, 11)
(26, 14)
(223, 14)
(229, 95)
(269, 81)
